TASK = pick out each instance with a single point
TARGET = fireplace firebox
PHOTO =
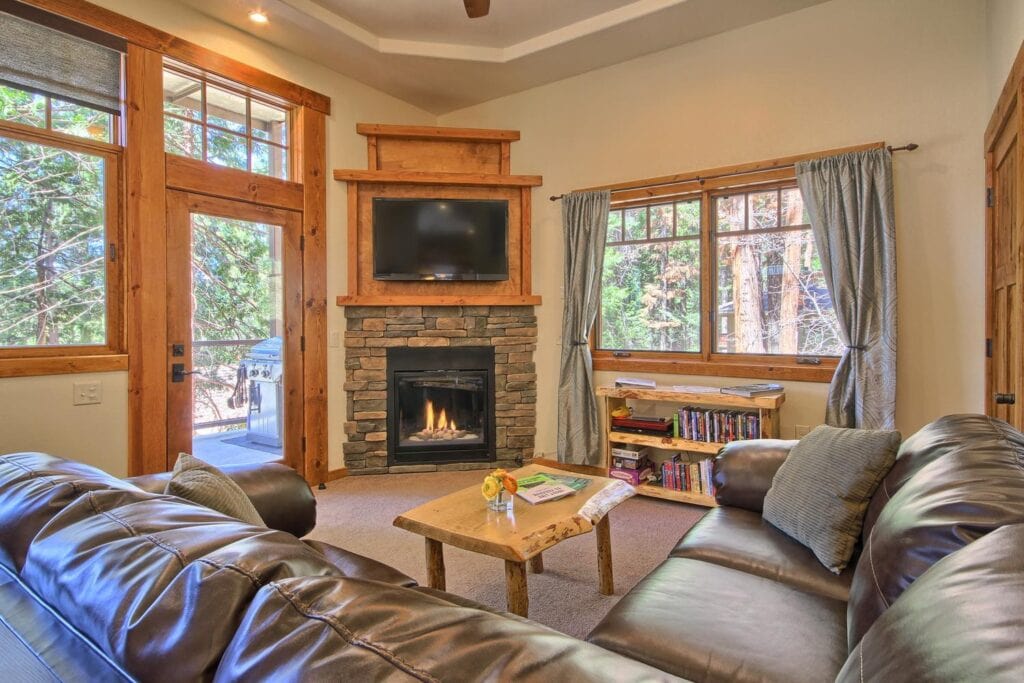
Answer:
(440, 405)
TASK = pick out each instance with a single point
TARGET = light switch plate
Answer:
(335, 339)
(87, 393)
(800, 431)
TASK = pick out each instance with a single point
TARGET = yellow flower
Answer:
(499, 473)
(490, 488)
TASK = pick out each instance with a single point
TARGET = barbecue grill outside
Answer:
(264, 367)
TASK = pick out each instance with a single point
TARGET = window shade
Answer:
(50, 62)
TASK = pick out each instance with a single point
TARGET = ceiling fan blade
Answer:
(477, 8)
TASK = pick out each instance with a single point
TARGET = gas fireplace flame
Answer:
(438, 422)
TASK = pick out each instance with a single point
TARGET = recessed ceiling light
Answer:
(258, 17)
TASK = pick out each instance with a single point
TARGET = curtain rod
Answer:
(909, 147)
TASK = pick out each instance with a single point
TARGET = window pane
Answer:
(764, 209)
(772, 297)
(661, 220)
(225, 109)
(52, 246)
(614, 227)
(22, 107)
(81, 121)
(269, 123)
(688, 217)
(650, 297)
(730, 213)
(183, 96)
(269, 160)
(225, 149)
(636, 224)
(793, 210)
(182, 137)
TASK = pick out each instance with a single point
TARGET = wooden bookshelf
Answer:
(766, 406)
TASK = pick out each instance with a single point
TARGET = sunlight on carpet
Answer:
(356, 513)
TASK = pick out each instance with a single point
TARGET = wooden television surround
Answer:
(441, 163)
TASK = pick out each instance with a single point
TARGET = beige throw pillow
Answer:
(201, 482)
(821, 492)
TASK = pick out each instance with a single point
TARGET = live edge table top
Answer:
(462, 519)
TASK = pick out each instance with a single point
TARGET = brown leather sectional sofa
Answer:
(102, 579)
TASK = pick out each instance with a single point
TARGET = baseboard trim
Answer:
(568, 467)
(333, 475)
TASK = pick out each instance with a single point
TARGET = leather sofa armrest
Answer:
(283, 498)
(743, 471)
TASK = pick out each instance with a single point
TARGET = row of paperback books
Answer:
(688, 476)
(716, 426)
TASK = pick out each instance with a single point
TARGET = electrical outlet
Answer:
(334, 339)
(87, 393)
(800, 431)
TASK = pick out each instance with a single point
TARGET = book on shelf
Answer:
(712, 425)
(635, 383)
(543, 487)
(751, 390)
(658, 426)
(692, 477)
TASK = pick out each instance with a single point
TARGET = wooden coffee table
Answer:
(463, 520)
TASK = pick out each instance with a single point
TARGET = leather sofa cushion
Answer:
(167, 581)
(282, 498)
(711, 623)
(741, 539)
(359, 567)
(330, 629)
(957, 497)
(743, 471)
(33, 488)
(962, 620)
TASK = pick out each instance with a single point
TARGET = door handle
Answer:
(178, 372)
(1005, 399)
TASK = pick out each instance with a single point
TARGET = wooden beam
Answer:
(427, 178)
(437, 132)
(200, 177)
(144, 36)
(62, 365)
(426, 300)
(145, 222)
(312, 160)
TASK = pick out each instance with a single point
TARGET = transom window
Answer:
(50, 113)
(739, 291)
(224, 126)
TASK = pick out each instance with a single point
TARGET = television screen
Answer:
(440, 239)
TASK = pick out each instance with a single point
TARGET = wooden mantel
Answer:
(434, 162)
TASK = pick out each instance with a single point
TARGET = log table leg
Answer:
(603, 531)
(435, 564)
(537, 563)
(515, 586)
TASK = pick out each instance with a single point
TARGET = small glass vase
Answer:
(501, 502)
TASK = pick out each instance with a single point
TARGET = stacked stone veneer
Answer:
(371, 330)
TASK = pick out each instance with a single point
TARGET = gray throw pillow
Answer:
(820, 494)
(201, 482)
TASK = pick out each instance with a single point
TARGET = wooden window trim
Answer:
(72, 358)
(707, 362)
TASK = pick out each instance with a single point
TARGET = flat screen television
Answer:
(440, 239)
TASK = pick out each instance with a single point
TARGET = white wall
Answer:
(35, 413)
(842, 73)
(1005, 31)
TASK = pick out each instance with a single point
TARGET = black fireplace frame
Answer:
(440, 359)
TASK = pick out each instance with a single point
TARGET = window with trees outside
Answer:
(59, 234)
(739, 291)
(224, 126)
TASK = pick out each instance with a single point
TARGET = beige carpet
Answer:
(356, 513)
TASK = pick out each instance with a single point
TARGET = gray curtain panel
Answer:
(585, 223)
(849, 199)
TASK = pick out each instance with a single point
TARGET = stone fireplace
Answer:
(440, 405)
(439, 387)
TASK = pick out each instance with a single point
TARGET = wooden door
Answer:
(234, 293)
(1004, 261)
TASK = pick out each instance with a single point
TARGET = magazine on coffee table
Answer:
(543, 487)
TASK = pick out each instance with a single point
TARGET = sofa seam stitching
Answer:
(228, 565)
(164, 545)
(306, 610)
(874, 574)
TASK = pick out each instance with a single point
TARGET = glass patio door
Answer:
(234, 318)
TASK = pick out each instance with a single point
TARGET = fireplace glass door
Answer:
(441, 409)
